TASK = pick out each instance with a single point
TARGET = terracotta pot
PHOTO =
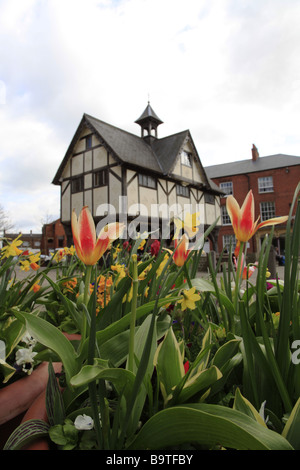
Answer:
(16, 397)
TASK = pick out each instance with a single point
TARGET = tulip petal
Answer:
(233, 210)
(87, 231)
(181, 252)
(247, 218)
(273, 221)
(74, 225)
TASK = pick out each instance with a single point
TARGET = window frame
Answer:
(144, 181)
(182, 191)
(77, 189)
(89, 142)
(225, 215)
(262, 184)
(232, 241)
(266, 214)
(228, 184)
(104, 174)
(186, 158)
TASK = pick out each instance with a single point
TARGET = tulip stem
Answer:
(135, 281)
(86, 296)
(238, 277)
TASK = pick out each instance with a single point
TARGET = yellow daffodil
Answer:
(120, 271)
(30, 262)
(141, 245)
(11, 249)
(189, 298)
(162, 265)
(189, 225)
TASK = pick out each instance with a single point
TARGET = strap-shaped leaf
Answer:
(207, 425)
(291, 430)
(54, 402)
(48, 335)
(26, 433)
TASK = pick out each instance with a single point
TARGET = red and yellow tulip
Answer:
(181, 250)
(88, 247)
(242, 218)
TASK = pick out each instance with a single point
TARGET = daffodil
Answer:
(190, 225)
(30, 262)
(189, 298)
(162, 265)
(88, 247)
(242, 218)
(11, 249)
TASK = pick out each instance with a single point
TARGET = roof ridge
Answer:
(111, 125)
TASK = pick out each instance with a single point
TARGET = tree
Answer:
(5, 222)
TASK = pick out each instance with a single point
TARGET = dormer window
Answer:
(186, 158)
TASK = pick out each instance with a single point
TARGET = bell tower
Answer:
(149, 123)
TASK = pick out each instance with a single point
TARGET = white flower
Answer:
(28, 340)
(84, 423)
(24, 357)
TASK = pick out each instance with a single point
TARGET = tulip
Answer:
(88, 247)
(181, 252)
(242, 218)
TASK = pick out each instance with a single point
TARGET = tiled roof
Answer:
(131, 149)
(249, 166)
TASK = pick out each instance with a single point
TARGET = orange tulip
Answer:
(88, 247)
(242, 219)
(181, 253)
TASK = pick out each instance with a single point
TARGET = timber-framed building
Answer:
(104, 162)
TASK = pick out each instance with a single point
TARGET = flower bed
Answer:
(162, 359)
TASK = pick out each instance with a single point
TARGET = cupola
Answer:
(149, 123)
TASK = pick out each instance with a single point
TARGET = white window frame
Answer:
(265, 184)
(227, 187)
(228, 239)
(225, 216)
(186, 158)
(267, 210)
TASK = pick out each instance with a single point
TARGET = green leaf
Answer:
(207, 425)
(291, 430)
(198, 383)
(121, 378)
(6, 370)
(26, 433)
(51, 337)
(54, 402)
(169, 363)
(242, 404)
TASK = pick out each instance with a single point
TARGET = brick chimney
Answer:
(255, 153)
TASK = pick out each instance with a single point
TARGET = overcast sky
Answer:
(227, 70)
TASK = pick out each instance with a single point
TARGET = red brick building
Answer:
(273, 180)
(53, 237)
